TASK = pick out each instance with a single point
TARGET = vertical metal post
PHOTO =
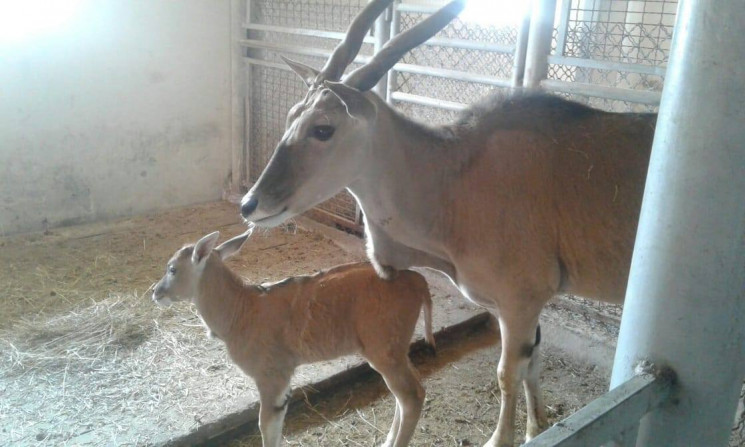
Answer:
(382, 34)
(562, 27)
(395, 29)
(248, 102)
(539, 43)
(685, 304)
(521, 50)
(238, 85)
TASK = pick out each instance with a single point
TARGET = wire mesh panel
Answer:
(326, 15)
(630, 36)
(491, 63)
(636, 32)
(275, 90)
(614, 49)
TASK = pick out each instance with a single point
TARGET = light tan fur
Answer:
(525, 196)
(269, 330)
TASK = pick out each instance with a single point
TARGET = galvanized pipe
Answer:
(521, 51)
(238, 86)
(392, 75)
(382, 31)
(613, 415)
(685, 303)
(539, 42)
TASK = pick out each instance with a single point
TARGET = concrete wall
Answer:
(122, 109)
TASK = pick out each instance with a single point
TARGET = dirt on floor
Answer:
(87, 359)
(461, 407)
(57, 270)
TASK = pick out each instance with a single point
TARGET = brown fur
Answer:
(271, 329)
(525, 196)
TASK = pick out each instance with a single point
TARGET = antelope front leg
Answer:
(518, 343)
(537, 420)
(273, 401)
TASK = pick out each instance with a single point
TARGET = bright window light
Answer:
(23, 19)
(495, 12)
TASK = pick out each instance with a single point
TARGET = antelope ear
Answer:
(307, 73)
(204, 247)
(231, 247)
(357, 105)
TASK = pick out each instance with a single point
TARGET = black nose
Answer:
(249, 207)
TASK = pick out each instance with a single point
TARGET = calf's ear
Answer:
(204, 247)
(231, 247)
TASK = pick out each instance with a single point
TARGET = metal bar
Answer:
(601, 91)
(238, 92)
(452, 74)
(248, 102)
(685, 301)
(382, 35)
(404, 68)
(301, 31)
(609, 415)
(561, 38)
(521, 49)
(425, 101)
(417, 9)
(392, 74)
(263, 63)
(248, 17)
(471, 45)
(287, 48)
(607, 65)
(452, 43)
(539, 42)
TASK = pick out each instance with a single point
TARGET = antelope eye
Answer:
(323, 132)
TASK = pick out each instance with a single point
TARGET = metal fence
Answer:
(306, 30)
(617, 50)
(608, 53)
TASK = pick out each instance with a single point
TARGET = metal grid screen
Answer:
(275, 90)
(632, 32)
(491, 63)
(619, 44)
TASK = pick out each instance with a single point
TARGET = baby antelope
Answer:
(271, 329)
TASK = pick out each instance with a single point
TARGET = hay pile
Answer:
(80, 340)
(118, 371)
(87, 359)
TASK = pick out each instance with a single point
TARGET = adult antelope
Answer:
(524, 197)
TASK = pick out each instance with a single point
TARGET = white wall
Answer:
(123, 109)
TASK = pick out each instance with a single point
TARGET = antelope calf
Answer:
(271, 329)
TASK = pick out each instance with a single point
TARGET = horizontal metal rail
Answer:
(613, 415)
(404, 68)
(434, 42)
(426, 101)
(608, 65)
(295, 49)
(601, 91)
(270, 64)
(471, 45)
(416, 9)
(456, 75)
(301, 31)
